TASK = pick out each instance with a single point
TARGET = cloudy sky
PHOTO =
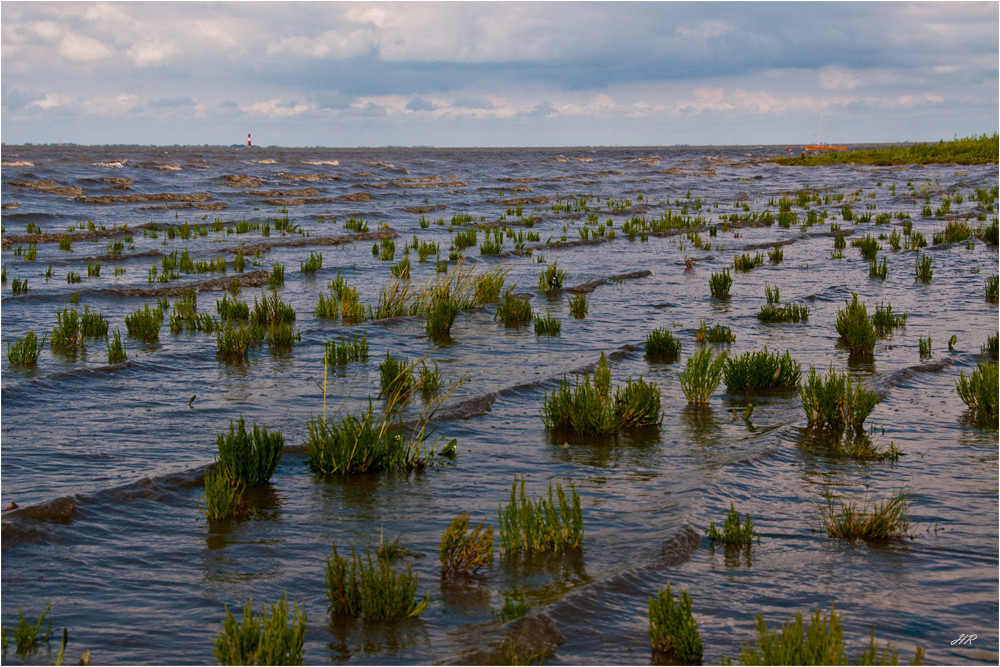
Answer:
(495, 73)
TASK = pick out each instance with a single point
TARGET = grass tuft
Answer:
(116, 348)
(547, 326)
(145, 324)
(735, 534)
(578, 306)
(555, 524)
(719, 284)
(249, 458)
(760, 370)
(512, 310)
(551, 278)
(371, 591)
(880, 522)
(981, 392)
(673, 630)
(266, 639)
(464, 551)
(702, 375)
(25, 350)
(662, 346)
(834, 402)
(855, 329)
(717, 334)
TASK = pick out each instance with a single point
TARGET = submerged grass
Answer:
(760, 370)
(835, 402)
(372, 591)
(578, 306)
(717, 334)
(553, 524)
(248, 458)
(662, 346)
(25, 350)
(547, 326)
(981, 392)
(116, 348)
(879, 522)
(855, 329)
(145, 324)
(266, 639)
(719, 284)
(702, 375)
(819, 643)
(514, 311)
(736, 534)
(463, 551)
(790, 312)
(673, 630)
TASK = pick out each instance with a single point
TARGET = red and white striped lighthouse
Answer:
(248, 141)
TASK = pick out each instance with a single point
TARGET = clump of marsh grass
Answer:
(513, 311)
(761, 370)
(18, 286)
(551, 278)
(492, 244)
(25, 350)
(868, 246)
(673, 630)
(702, 375)
(277, 278)
(925, 347)
(879, 271)
(67, 333)
(992, 289)
(514, 606)
(879, 522)
(345, 351)
(790, 312)
(230, 310)
(93, 325)
(26, 639)
(116, 348)
(395, 378)
(834, 402)
(589, 408)
(313, 264)
(745, 262)
(855, 329)
(719, 284)
(441, 316)
(553, 524)
(248, 458)
(401, 269)
(662, 346)
(819, 643)
(463, 551)
(365, 443)
(233, 343)
(736, 534)
(72, 278)
(145, 324)
(981, 392)
(776, 255)
(884, 321)
(923, 268)
(266, 639)
(223, 499)
(371, 591)
(772, 296)
(717, 334)
(547, 326)
(578, 306)
(428, 381)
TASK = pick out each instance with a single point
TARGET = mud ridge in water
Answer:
(537, 637)
(252, 279)
(83, 235)
(48, 186)
(885, 383)
(424, 209)
(264, 246)
(588, 287)
(196, 197)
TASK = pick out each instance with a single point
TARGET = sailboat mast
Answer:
(820, 131)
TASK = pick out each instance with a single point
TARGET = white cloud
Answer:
(153, 52)
(53, 100)
(276, 108)
(83, 49)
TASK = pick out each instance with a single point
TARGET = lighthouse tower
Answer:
(249, 145)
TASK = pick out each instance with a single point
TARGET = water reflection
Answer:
(701, 424)
(353, 639)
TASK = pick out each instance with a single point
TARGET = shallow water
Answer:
(106, 462)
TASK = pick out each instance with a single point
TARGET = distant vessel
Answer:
(820, 146)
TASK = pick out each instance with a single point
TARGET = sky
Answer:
(497, 74)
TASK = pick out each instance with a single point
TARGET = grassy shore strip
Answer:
(982, 149)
